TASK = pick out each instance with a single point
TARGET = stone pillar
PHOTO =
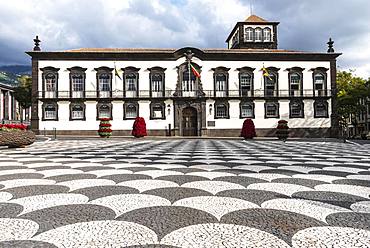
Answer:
(334, 112)
(35, 87)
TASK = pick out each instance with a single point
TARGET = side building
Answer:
(10, 110)
(188, 91)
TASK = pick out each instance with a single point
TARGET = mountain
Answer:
(10, 73)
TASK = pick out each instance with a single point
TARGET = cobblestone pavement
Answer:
(185, 193)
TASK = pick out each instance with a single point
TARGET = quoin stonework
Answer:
(188, 91)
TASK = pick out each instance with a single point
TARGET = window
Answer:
(131, 82)
(246, 110)
(131, 110)
(77, 112)
(50, 111)
(271, 110)
(188, 85)
(157, 111)
(77, 82)
(104, 82)
(104, 111)
(248, 35)
(221, 82)
(258, 35)
(50, 82)
(246, 84)
(157, 83)
(221, 111)
(267, 35)
(295, 84)
(321, 109)
(271, 84)
(296, 109)
(319, 81)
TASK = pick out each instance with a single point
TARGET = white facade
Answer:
(263, 84)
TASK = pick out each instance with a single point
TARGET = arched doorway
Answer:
(189, 122)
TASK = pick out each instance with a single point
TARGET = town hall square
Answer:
(184, 124)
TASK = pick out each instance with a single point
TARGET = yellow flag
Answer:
(266, 73)
(116, 72)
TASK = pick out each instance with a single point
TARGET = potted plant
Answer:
(282, 130)
(16, 135)
(248, 130)
(105, 130)
(139, 128)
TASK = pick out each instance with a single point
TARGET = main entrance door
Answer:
(189, 122)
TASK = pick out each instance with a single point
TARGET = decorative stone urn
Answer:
(282, 130)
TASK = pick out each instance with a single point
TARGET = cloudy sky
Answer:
(65, 24)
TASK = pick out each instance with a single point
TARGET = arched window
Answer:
(104, 82)
(157, 111)
(50, 111)
(77, 81)
(246, 110)
(271, 110)
(50, 82)
(188, 84)
(157, 82)
(296, 109)
(221, 111)
(258, 35)
(104, 111)
(221, 85)
(78, 85)
(77, 112)
(246, 84)
(249, 35)
(131, 110)
(321, 109)
(319, 84)
(295, 84)
(271, 84)
(267, 35)
(131, 82)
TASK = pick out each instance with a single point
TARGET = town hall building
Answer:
(188, 91)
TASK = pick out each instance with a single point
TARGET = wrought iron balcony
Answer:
(146, 94)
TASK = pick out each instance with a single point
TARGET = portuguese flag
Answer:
(195, 71)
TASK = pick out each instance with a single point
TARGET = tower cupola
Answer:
(254, 33)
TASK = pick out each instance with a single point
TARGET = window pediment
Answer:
(103, 69)
(130, 69)
(49, 69)
(77, 69)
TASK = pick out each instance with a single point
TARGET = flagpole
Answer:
(189, 82)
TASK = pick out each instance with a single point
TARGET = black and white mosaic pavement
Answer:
(185, 193)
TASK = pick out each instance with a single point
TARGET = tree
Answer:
(23, 92)
(352, 92)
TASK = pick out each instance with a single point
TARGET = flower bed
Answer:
(105, 130)
(16, 135)
(139, 128)
(248, 130)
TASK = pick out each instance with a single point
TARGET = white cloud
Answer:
(66, 24)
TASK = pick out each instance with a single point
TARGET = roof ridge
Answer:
(255, 18)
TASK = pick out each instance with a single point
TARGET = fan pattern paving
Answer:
(185, 193)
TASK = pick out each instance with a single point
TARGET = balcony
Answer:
(209, 94)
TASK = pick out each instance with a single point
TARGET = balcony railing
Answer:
(117, 94)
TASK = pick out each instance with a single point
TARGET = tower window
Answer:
(249, 35)
(258, 35)
(267, 35)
